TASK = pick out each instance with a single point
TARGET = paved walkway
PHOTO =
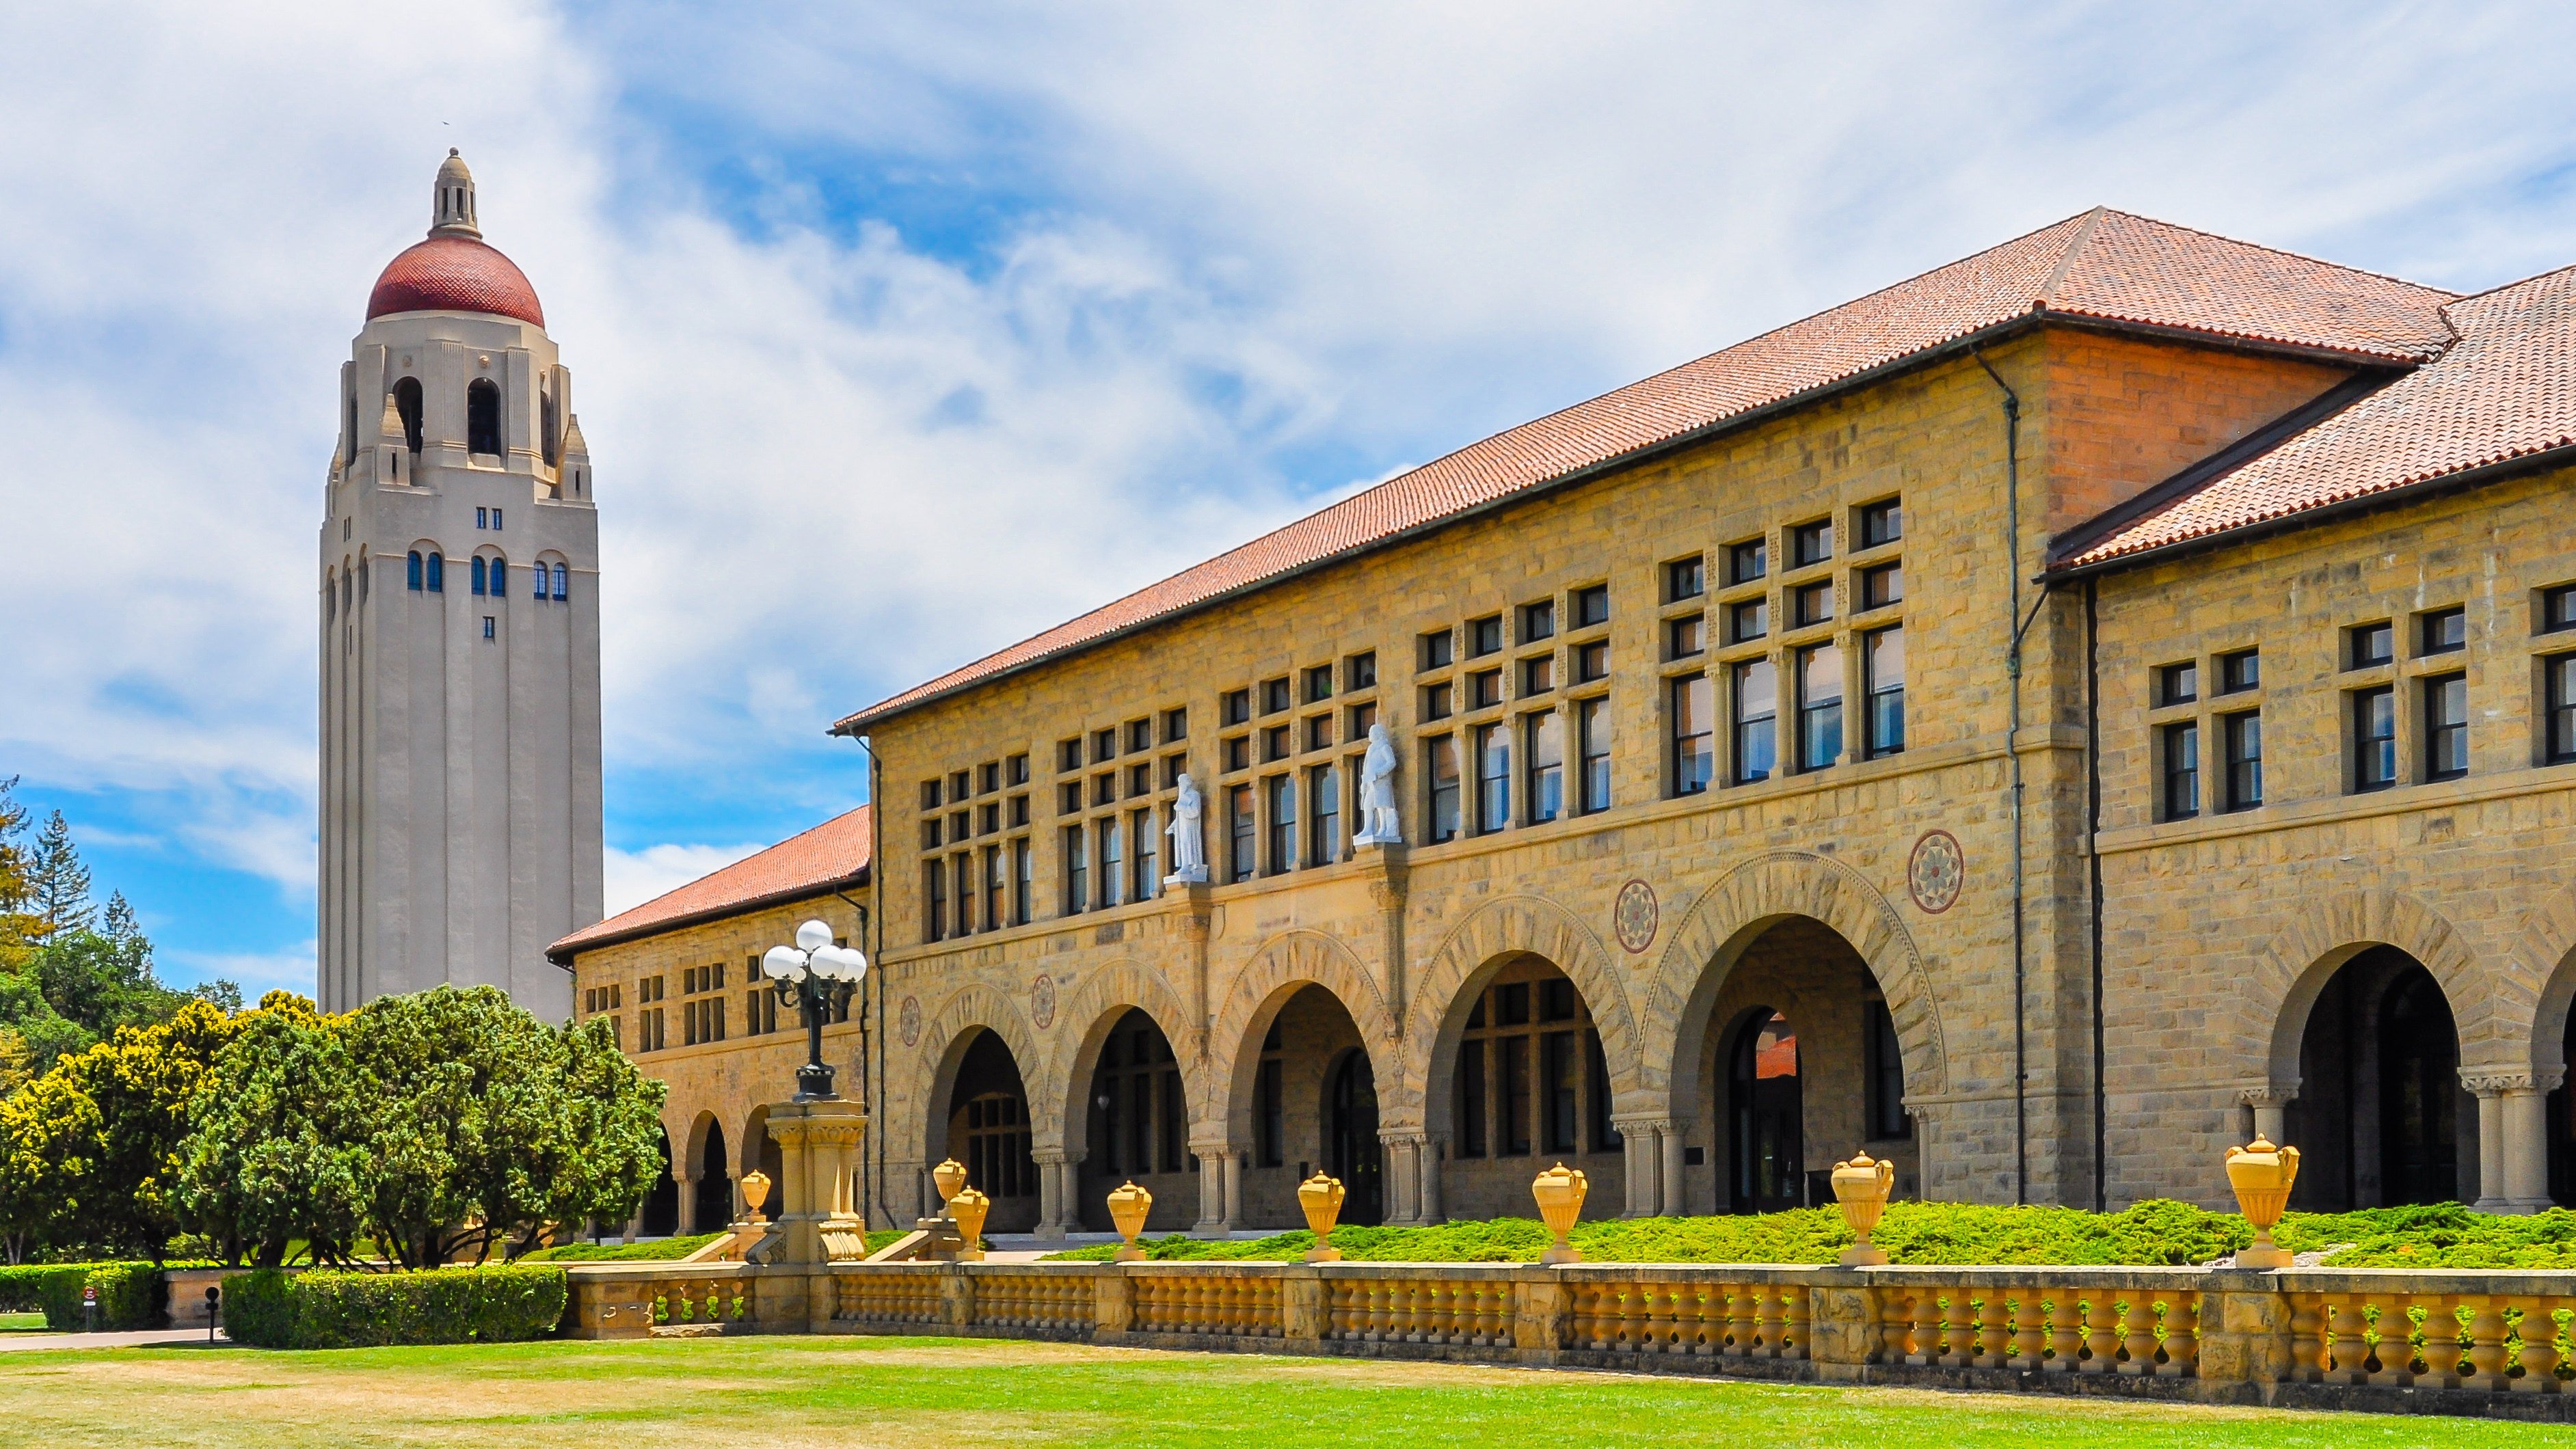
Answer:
(147, 1338)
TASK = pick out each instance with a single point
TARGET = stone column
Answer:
(2271, 1104)
(1669, 1186)
(688, 1205)
(1434, 1155)
(1405, 1151)
(819, 1142)
(2490, 1090)
(1387, 874)
(1644, 1158)
(1212, 1157)
(1051, 1194)
(2513, 1139)
(1233, 1162)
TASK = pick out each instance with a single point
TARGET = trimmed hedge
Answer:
(130, 1295)
(496, 1304)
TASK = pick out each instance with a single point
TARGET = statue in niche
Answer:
(1189, 858)
(1378, 825)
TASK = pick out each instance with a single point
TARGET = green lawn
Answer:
(22, 1322)
(821, 1392)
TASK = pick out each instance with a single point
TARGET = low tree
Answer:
(275, 1150)
(47, 1130)
(109, 1124)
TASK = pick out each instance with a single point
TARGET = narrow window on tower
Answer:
(407, 405)
(411, 571)
(478, 571)
(438, 573)
(483, 418)
(561, 577)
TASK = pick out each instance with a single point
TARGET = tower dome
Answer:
(453, 269)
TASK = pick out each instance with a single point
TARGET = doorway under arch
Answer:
(1766, 1116)
(1138, 1127)
(986, 1128)
(2380, 1116)
(713, 1207)
(1357, 1157)
(660, 1217)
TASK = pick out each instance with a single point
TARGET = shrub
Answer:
(500, 1304)
(130, 1295)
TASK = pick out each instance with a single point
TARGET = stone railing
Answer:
(2462, 1342)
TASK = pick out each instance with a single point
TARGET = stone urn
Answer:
(1321, 1197)
(1861, 1185)
(2262, 1175)
(969, 1208)
(1127, 1208)
(755, 1191)
(1560, 1191)
(950, 1178)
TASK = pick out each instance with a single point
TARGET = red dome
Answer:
(454, 274)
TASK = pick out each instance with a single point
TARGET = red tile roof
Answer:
(2102, 266)
(448, 273)
(832, 854)
(2504, 391)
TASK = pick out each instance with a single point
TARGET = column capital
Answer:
(2268, 1094)
(1053, 1156)
(2486, 1083)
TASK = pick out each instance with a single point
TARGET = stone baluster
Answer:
(2101, 1333)
(1994, 1323)
(2486, 1344)
(2539, 1353)
(1768, 1313)
(2030, 1328)
(2065, 1331)
(1795, 1321)
(2138, 1317)
(2182, 1336)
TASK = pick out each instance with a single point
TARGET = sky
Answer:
(901, 333)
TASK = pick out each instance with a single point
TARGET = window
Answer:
(1757, 712)
(437, 574)
(1022, 875)
(2558, 608)
(1360, 672)
(1811, 543)
(479, 572)
(1068, 754)
(1748, 620)
(1493, 778)
(1820, 706)
(1813, 603)
(2182, 770)
(1560, 1069)
(1237, 706)
(1592, 743)
(1238, 752)
(1439, 649)
(411, 571)
(2446, 727)
(1440, 783)
(2444, 631)
(1275, 743)
(2558, 693)
(1881, 523)
(1592, 662)
(562, 575)
(1319, 732)
(1591, 606)
(994, 886)
(1324, 808)
(2178, 684)
(1241, 833)
(2241, 736)
(1684, 578)
(1437, 702)
(1282, 790)
(1068, 797)
(1538, 676)
(1140, 736)
(1077, 871)
(1546, 755)
(930, 795)
(1019, 811)
(1882, 586)
(2369, 645)
(1538, 621)
(1748, 561)
(1485, 689)
(934, 896)
(407, 404)
(1485, 635)
(1882, 664)
(1104, 788)
(1694, 730)
(1270, 1106)
(1319, 683)
(2240, 671)
(1685, 636)
(1885, 1069)
(2374, 738)
(487, 626)
(1104, 745)
(482, 519)
(1113, 862)
(483, 417)
(961, 872)
(1363, 719)
(1274, 695)
(1176, 727)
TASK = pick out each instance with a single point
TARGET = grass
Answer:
(22, 1323)
(833, 1391)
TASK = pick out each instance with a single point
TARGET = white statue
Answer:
(1378, 825)
(1189, 861)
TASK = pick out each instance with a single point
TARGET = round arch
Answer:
(1751, 898)
(1285, 965)
(1098, 1004)
(944, 1040)
(695, 1154)
(1492, 937)
(2545, 956)
(2291, 971)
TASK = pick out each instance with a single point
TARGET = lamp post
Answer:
(817, 977)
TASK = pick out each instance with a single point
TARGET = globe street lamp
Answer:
(817, 977)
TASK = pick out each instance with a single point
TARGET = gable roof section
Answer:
(2103, 266)
(832, 854)
(2505, 392)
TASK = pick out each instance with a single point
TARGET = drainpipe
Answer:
(872, 922)
(870, 1184)
(2012, 753)
(2093, 855)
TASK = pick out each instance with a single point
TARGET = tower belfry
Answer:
(460, 801)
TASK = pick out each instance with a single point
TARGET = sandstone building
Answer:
(460, 826)
(2041, 722)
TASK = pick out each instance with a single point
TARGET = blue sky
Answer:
(901, 333)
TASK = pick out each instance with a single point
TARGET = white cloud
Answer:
(254, 972)
(636, 876)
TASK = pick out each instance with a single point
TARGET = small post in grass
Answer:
(214, 1309)
(89, 1308)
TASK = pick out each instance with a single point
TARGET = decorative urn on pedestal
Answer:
(2262, 1175)
(969, 1207)
(1560, 1192)
(1860, 1186)
(1127, 1208)
(755, 1191)
(950, 1178)
(1321, 1197)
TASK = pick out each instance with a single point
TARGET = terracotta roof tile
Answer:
(2504, 390)
(2102, 265)
(832, 853)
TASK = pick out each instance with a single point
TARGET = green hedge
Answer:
(130, 1295)
(495, 1304)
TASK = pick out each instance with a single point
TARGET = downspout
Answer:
(867, 1182)
(872, 922)
(2012, 753)
(2093, 856)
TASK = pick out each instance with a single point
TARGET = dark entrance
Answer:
(2377, 1117)
(714, 1206)
(2562, 1131)
(988, 1132)
(1359, 1159)
(2419, 1084)
(661, 1215)
(1765, 1111)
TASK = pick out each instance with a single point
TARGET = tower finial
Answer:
(452, 210)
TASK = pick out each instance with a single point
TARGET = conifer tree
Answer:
(60, 883)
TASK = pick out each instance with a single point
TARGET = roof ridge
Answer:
(2281, 252)
(2066, 259)
(2458, 297)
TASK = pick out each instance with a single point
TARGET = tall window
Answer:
(1282, 790)
(1440, 784)
(1324, 809)
(1270, 1104)
(1757, 720)
(411, 570)
(934, 896)
(437, 573)
(961, 872)
(1077, 871)
(1148, 869)
(483, 417)
(1592, 730)
(1694, 729)
(407, 405)
(478, 572)
(1022, 876)
(2374, 738)
(2182, 771)
(1493, 778)
(1242, 833)
(2446, 727)
(1820, 706)
(993, 888)
(2243, 741)
(2558, 676)
(1546, 755)
(561, 576)
(1882, 663)
(1113, 861)
(1530, 1074)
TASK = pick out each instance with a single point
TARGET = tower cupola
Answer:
(451, 213)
